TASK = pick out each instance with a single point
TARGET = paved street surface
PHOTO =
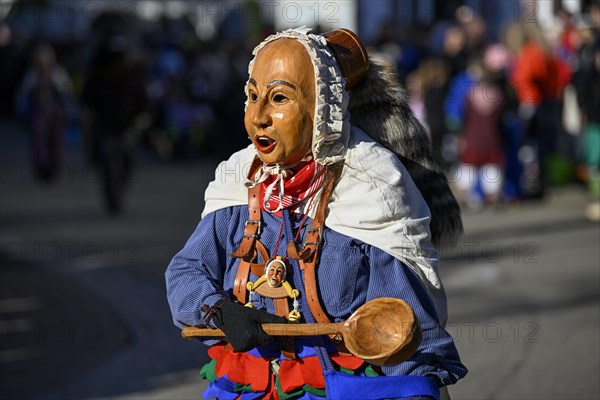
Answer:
(83, 313)
(524, 293)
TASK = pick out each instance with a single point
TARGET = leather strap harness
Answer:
(251, 247)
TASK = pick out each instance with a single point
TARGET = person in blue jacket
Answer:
(321, 213)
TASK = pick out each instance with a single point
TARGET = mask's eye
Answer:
(279, 98)
(252, 96)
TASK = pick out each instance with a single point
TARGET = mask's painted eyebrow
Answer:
(252, 81)
(280, 82)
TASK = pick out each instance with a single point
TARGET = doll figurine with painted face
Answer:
(275, 273)
(330, 206)
(277, 287)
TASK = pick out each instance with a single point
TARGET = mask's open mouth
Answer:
(264, 143)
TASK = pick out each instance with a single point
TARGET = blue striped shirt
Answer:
(349, 274)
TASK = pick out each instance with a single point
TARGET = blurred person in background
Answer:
(114, 94)
(14, 62)
(454, 106)
(182, 90)
(480, 175)
(44, 102)
(498, 59)
(448, 42)
(454, 51)
(538, 78)
(414, 92)
(567, 44)
(433, 75)
(568, 36)
(587, 83)
(474, 27)
(458, 91)
(174, 114)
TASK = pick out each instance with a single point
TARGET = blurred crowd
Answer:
(508, 113)
(179, 95)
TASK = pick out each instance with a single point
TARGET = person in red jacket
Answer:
(538, 78)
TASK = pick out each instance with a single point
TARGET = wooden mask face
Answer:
(281, 102)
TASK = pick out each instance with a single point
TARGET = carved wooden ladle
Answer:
(383, 331)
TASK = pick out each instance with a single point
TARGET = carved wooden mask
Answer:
(281, 102)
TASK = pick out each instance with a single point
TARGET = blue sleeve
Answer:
(437, 356)
(195, 275)
(454, 104)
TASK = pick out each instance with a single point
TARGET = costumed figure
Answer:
(337, 202)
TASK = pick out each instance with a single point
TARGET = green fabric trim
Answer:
(317, 392)
(370, 371)
(346, 371)
(208, 371)
(243, 388)
(282, 394)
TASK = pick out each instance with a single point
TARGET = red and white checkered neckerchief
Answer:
(283, 188)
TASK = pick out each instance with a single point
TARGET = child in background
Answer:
(480, 175)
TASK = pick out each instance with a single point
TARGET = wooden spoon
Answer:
(383, 331)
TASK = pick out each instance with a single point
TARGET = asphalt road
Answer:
(83, 311)
(524, 290)
(83, 305)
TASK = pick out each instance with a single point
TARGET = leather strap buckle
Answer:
(258, 229)
(317, 241)
(319, 230)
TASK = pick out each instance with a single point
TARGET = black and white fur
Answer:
(378, 105)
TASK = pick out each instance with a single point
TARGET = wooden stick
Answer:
(272, 330)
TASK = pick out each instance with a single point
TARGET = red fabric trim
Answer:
(271, 392)
(347, 361)
(295, 373)
(241, 368)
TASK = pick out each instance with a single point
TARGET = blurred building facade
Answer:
(71, 18)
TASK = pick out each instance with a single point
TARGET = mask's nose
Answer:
(261, 118)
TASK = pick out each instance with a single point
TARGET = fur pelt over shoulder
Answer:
(379, 106)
